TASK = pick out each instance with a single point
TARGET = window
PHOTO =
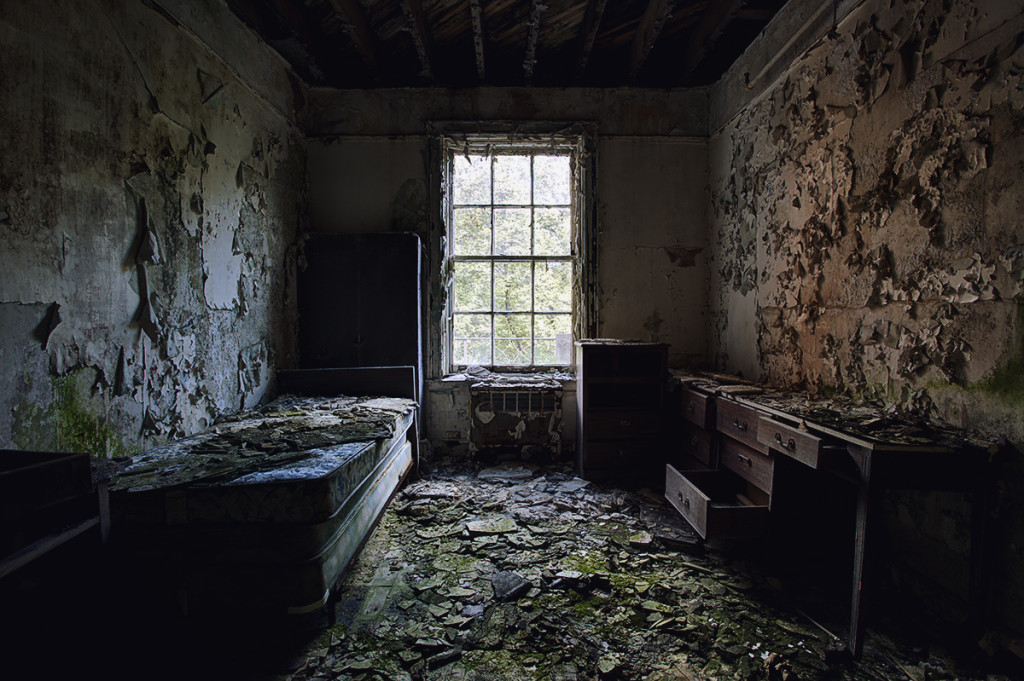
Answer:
(511, 250)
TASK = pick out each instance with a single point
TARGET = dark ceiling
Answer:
(464, 43)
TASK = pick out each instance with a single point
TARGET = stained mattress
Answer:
(270, 506)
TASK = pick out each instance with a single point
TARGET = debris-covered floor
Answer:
(515, 572)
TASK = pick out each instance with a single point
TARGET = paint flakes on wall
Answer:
(853, 201)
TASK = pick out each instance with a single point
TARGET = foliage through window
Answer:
(511, 252)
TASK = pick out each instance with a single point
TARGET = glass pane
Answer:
(554, 286)
(551, 180)
(472, 286)
(471, 339)
(551, 231)
(512, 180)
(512, 231)
(552, 343)
(472, 231)
(472, 180)
(512, 339)
(512, 286)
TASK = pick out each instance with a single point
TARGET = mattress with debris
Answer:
(271, 503)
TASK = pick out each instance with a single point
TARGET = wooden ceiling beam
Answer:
(477, 12)
(712, 22)
(362, 35)
(413, 10)
(536, 9)
(588, 33)
(651, 23)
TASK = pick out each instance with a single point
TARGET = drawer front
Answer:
(698, 443)
(739, 422)
(708, 501)
(793, 442)
(697, 408)
(748, 463)
(621, 424)
(691, 503)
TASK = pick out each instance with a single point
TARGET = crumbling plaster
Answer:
(150, 188)
(865, 220)
(865, 209)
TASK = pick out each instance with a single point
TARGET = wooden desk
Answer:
(871, 449)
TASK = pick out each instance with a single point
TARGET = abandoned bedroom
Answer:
(462, 340)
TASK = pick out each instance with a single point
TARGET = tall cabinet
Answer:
(620, 398)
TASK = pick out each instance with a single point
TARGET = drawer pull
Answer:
(691, 407)
(789, 444)
(745, 459)
(693, 440)
(740, 425)
(685, 500)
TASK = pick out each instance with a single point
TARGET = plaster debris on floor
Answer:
(522, 572)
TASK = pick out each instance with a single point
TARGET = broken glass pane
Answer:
(512, 231)
(472, 183)
(511, 180)
(551, 180)
(553, 286)
(551, 230)
(472, 286)
(512, 286)
(471, 341)
(512, 339)
(472, 231)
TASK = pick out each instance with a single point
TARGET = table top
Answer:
(862, 423)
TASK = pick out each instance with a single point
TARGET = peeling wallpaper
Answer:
(866, 211)
(148, 200)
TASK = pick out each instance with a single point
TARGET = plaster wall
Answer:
(150, 188)
(865, 220)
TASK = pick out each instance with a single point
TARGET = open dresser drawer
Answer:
(717, 503)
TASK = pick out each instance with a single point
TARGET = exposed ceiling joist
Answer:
(413, 10)
(591, 23)
(651, 23)
(476, 11)
(536, 9)
(712, 22)
(362, 35)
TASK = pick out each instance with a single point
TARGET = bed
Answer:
(264, 511)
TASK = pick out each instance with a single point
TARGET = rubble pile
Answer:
(515, 572)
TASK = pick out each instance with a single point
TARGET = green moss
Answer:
(1008, 381)
(70, 423)
(79, 428)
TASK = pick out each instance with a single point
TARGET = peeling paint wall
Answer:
(150, 189)
(865, 220)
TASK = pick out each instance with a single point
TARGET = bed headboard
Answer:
(397, 381)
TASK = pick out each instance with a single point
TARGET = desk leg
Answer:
(859, 546)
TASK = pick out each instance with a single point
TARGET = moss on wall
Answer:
(1008, 381)
(74, 421)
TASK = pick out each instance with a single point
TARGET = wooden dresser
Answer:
(739, 448)
(620, 398)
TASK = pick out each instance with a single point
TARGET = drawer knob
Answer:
(740, 425)
(789, 444)
(745, 459)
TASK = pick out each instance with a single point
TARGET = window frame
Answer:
(495, 259)
(492, 139)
